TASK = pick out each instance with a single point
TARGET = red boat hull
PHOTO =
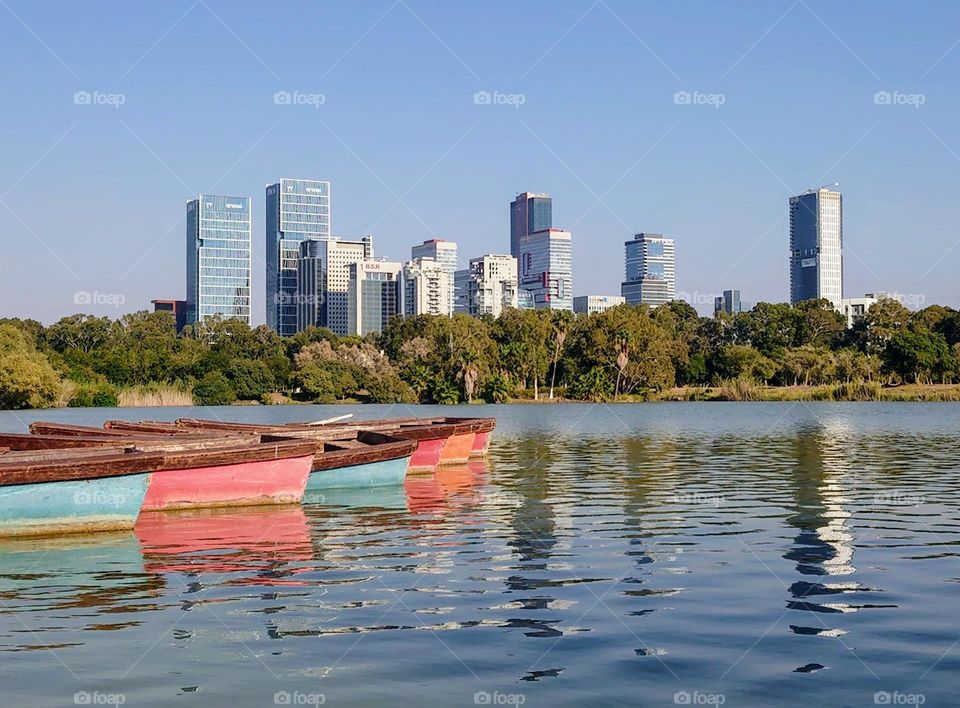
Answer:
(280, 481)
(481, 445)
(427, 455)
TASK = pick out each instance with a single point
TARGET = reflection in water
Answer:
(598, 556)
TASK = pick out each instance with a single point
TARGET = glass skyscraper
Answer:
(650, 270)
(218, 258)
(546, 268)
(816, 243)
(529, 213)
(374, 296)
(296, 210)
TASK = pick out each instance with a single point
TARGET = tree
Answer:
(251, 379)
(921, 357)
(26, 378)
(214, 389)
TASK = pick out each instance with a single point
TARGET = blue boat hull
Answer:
(372, 474)
(50, 508)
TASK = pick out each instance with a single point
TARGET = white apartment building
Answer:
(487, 286)
(427, 288)
(589, 304)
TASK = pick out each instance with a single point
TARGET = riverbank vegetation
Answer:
(772, 352)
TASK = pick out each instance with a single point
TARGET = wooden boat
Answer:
(72, 491)
(442, 440)
(201, 470)
(340, 458)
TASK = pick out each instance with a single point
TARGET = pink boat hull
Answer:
(427, 455)
(456, 449)
(481, 445)
(245, 484)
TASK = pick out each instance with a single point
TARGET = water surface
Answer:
(657, 554)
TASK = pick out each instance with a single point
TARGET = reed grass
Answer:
(152, 395)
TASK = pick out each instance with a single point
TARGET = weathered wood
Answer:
(76, 467)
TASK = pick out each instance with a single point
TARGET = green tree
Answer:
(214, 389)
(921, 357)
(27, 380)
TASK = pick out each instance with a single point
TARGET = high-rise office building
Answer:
(488, 285)
(323, 282)
(445, 254)
(590, 304)
(816, 243)
(650, 276)
(427, 288)
(529, 213)
(296, 210)
(374, 296)
(218, 258)
(729, 302)
(546, 268)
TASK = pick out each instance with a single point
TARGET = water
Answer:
(744, 554)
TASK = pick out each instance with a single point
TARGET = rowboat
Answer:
(341, 457)
(442, 440)
(54, 493)
(201, 470)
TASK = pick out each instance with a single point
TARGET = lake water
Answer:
(658, 554)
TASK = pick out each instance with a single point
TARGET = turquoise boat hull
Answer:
(384, 473)
(50, 508)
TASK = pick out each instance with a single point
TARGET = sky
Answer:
(694, 119)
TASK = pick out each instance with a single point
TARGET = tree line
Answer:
(628, 351)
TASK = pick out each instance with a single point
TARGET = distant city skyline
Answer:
(639, 119)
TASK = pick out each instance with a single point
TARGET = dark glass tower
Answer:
(529, 213)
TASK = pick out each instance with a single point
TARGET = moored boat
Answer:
(72, 491)
(205, 470)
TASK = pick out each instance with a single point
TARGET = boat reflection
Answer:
(94, 579)
(435, 492)
(258, 542)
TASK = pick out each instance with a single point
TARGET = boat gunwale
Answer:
(70, 469)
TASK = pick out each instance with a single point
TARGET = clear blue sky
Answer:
(411, 156)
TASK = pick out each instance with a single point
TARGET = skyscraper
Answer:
(218, 258)
(488, 285)
(529, 213)
(445, 254)
(650, 265)
(546, 268)
(296, 210)
(323, 281)
(427, 288)
(729, 302)
(816, 242)
(374, 296)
